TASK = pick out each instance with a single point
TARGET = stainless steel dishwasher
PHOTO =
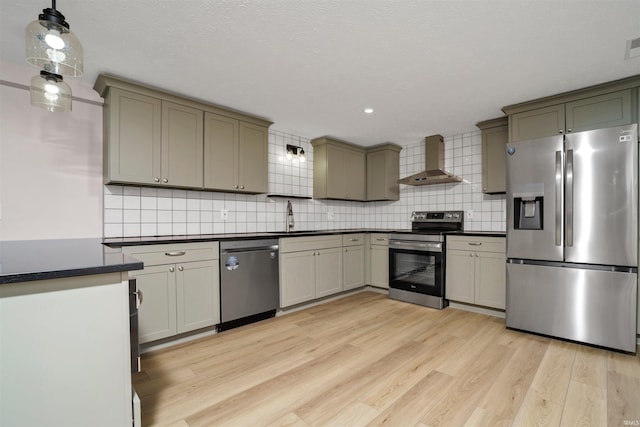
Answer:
(249, 281)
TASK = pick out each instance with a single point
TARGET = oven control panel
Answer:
(439, 216)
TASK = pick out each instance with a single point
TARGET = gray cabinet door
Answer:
(133, 138)
(596, 112)
(383, 173)
(197, 295)
(157, 313)
(328, 271)
(336, 164)
(182, 145)
(379, 266)
(220, 152)
(537, 123)
(353, 267)
(355, 175)
(253, 158)
(460, 276)
(494, 145)
(297, 277)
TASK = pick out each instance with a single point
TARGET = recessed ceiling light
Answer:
(368, 110)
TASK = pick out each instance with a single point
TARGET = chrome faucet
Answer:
(289, 217)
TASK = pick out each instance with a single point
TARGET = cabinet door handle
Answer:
(471, 255)
(477, 255)
(475, 243)
(139, 298)
(242, 187)
(176, 253)
(569, 130)
(156, 179)
(171, 269)
(165, 180)
(181, 268)
(561, 131)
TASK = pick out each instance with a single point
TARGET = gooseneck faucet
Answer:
(289, 217)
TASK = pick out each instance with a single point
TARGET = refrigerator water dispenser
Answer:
(528, 209)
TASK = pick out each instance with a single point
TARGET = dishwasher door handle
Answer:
(261, 248)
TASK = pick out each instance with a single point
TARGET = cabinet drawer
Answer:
(355, 239)
(379, 239)
(305, 243)
(174, 253)
(477, 244)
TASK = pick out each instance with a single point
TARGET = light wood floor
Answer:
(369, 360)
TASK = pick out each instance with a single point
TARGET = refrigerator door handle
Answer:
(558, 198)
(569, 198)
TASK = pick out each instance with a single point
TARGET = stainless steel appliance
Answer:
(249, 281)
(416, 259)
(572, 236)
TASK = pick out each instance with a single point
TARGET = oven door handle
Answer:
(429, 246)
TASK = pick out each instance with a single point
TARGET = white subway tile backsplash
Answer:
(141, 211)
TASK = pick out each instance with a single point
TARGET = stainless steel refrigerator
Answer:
(572, 236)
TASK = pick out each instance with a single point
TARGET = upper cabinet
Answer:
(495, 135)
(601, 106)
(344, 171)
(383, 172)
(235, 155)
(338, 170)
(158, 139)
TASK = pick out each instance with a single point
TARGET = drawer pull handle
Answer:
(380, 239)
(354, 240)
(176, 253)
(475, 243)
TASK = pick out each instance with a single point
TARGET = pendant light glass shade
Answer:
(51, 46)
(50, 92)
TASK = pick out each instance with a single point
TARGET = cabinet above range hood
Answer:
(434, 172)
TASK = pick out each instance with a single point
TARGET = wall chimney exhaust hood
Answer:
(434, 172)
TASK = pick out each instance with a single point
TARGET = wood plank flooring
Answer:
(368, 360)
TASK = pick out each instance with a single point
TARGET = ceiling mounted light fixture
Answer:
(293, 150)
(368, 110)
(50, 92)
(51, 46)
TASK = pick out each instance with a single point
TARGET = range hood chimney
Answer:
(434, 172)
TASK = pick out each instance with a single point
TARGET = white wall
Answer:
(50, 163)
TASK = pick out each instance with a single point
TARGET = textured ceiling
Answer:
(311, 66)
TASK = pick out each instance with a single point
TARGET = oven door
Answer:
(416, 267)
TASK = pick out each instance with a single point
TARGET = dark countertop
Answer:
(116, 242)
(29, 260)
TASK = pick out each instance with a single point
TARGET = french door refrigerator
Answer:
(572, 236)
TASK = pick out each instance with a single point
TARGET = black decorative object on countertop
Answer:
(29, 260)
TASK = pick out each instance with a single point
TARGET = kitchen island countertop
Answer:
(30, 260)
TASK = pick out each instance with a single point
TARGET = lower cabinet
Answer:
(352, 261)
(180, 286)
(310, 267)
(476, 270)
(379, 260)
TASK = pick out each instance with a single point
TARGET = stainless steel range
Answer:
(416, 259)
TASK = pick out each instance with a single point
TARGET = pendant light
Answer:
(50, 92)
(51, 46)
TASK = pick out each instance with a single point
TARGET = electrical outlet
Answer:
(469, 214)
(224, 214)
